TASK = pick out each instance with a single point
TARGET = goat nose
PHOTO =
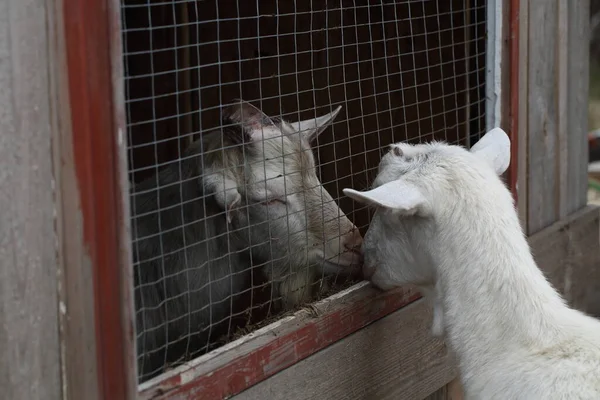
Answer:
(354, 241)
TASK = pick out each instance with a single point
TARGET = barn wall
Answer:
(553, 65)
(93, 220)
(393, 358)
(553, 146)
(29, 330)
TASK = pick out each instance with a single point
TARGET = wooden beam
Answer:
(76, 288)
(542, 125)
(509, 80)
(522, 30)
(577, 102)
(98, 180)
(562, 88)
(29, 331)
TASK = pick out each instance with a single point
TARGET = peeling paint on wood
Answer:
(93, 57)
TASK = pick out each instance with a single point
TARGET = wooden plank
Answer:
(386, 360)
(76, 288)
(577, 102)
(509, 81)
(523, 112)
(121, 208)
(542, 180)
(29, 342)
(236, 366)
(553, 109)
(393, 358)
(93, 57)
(568, 252)
(562, 151)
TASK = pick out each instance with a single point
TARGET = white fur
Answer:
(446, 223)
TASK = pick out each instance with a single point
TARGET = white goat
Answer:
(446, 223)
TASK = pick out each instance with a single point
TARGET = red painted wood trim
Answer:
(226, 373)
(88, 36)
(514, 98)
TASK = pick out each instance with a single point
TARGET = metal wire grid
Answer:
(402, 70)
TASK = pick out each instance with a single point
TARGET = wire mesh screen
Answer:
(237, 207)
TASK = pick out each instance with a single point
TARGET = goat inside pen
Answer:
(402, 71)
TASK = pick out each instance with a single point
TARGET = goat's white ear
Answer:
(312, 127)
(494, 148)
(244, 113)
(397, 196)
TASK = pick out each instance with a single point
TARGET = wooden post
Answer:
(29, 332)
(553, 108)
(99, 230)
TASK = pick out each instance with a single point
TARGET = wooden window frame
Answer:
(92, 149)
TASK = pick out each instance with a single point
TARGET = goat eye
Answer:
(273, 201)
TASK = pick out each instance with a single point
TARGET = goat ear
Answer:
(246, 114)
(494, 148)
(398, 196)
(312, 127)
